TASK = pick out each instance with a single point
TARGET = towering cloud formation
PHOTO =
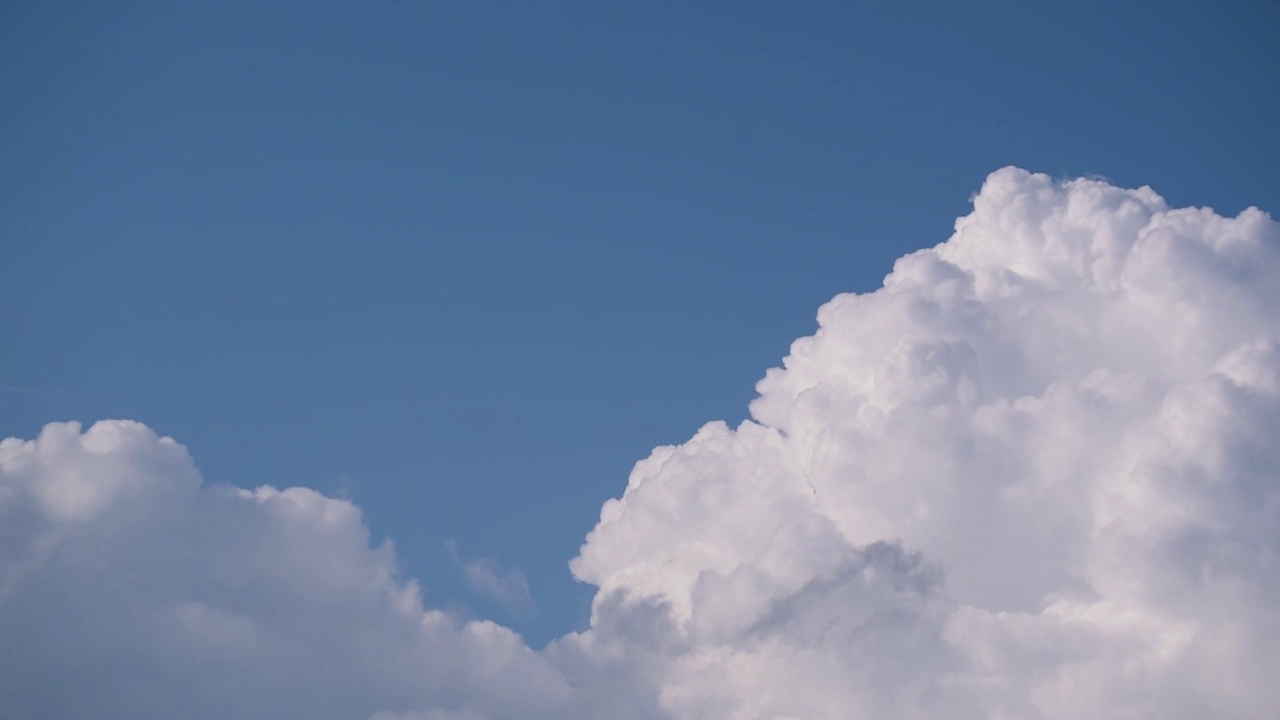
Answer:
(1033, 476)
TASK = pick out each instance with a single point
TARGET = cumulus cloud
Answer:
(1032, 476)
(130, 590)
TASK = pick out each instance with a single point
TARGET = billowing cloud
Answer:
(1035, 475)
(127, 589)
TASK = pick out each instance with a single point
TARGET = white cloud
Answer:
(132, 591)
(1033, 476)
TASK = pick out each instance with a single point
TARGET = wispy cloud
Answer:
(487, 578)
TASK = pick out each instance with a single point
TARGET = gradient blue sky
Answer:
(466, 263)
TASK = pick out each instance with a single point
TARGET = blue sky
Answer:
(466, 264)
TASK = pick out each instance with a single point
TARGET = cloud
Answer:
(1032, 476)
(127, 589)
(485, 577)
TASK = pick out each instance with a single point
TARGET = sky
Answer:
(450, 272)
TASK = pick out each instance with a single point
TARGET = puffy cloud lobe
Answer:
(1033, 476)
(1069, 409)
(132, 591)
